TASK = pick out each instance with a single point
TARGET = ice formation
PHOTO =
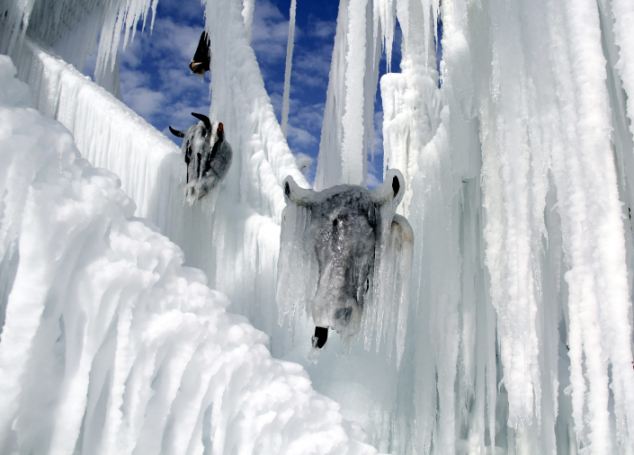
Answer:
(73, 28)
(347, 130)
(108, 343)
(519, 176)
(336, 248)
(286, 96)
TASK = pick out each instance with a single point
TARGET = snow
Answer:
(109, 344)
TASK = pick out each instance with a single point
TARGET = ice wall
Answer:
(108, 344)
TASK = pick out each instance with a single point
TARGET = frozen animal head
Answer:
(344, 231)
(202, 57)
(207, 156)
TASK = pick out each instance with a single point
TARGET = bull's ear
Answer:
(294, 193)
(392, 189)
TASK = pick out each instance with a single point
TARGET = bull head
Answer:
(207, 156)
(202, 57)
(344, 232)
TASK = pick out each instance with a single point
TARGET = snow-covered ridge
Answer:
(109, 344)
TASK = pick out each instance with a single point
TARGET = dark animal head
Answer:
(207, 155)
(345, 229)
(197, 138)
(202, 57)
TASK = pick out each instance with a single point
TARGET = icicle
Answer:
(14, 17)
(352, 121)
(346, 136)
(248, 7)
(385, 13)
(623, 14)
(289, 65)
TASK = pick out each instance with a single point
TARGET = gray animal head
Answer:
(344, 231)
(207, 156)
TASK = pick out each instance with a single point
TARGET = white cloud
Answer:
(301, 137)
(145, 102)
(322, 29)
(269, 32)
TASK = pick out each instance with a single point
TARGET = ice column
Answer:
(289, 65)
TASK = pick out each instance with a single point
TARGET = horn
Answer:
(299, 196)
(176, 133)
(393, 188)
(204, 119)
(220, 131)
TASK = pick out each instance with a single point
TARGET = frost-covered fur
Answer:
(343, 232)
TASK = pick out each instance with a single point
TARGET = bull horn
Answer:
(220, 131)
(204, 119)
(176, 133)
(392, 189)
(296, 194)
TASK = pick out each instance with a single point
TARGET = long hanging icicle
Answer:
(289, 66)
(346, 134)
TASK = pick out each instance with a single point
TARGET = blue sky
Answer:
(156, 82)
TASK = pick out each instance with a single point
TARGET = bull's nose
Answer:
(320, 337)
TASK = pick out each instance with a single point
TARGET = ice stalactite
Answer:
(384, 26)
(288, 67)
(622, 13)
(514, 188)
(248, 8)
(329, 167)
(347, 130)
